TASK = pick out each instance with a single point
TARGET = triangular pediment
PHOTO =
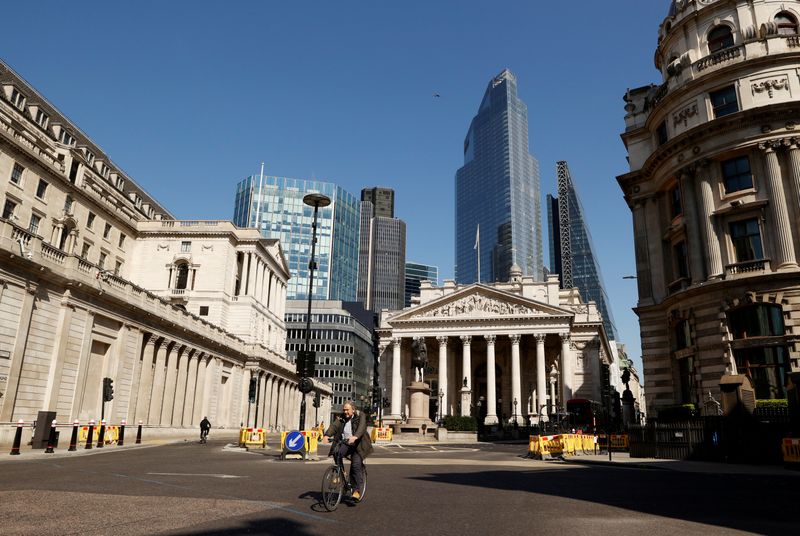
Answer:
(479, 302)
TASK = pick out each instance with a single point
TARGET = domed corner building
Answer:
(714, 188)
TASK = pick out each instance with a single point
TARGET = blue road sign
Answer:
(295, 441)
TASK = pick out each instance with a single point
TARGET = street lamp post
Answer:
(516, 424)
(317, 201)
(441, 409)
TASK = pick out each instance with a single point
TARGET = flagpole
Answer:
(478, 247)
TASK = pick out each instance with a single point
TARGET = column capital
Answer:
(442, 340)
(565, 337)
(515, 337)
(490, 339)
(792, 143)
(397, 341)
(770, 146)
(466, 340)
(539, 337)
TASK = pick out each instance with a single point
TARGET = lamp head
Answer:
(316, 200)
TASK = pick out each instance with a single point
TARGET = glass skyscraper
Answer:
(274, 205)
(416, 273)
(571, 251)
(498, 189)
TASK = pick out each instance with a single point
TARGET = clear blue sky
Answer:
(189, 97)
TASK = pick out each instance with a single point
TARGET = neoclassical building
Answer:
(714, 189)
(494, 349)
(97, 280)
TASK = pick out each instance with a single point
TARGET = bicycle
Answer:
(204, 436)
(336, 481)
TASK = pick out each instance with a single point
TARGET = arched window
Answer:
(182, 277)
(719, 37)
(765, 363)
(65, 232)
(786, 23)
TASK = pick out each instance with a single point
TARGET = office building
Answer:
(382, 200)
(274, 205)
(416, 273)
(498, 205)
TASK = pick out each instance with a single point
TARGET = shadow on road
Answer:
(279, 526)
(753, 503)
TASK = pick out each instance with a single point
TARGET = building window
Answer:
(8, 209)
(85, 250)
(736, 174)
(42, 119)
(17, 98)
(186, 247)
(90, 220)
(786, 23)
(118, 268)
(719, 37)
(66, 138)
(68, 202)
(686, 374)
(724, 101)
(33, 227)
(661, 133)
(16, 173)
(765, 365)
(746, 238)
(41, 189)
(106, 230)
(681, 256)
(121, 240)
(182, 278)
(676, 203)
(204, 310)
(102, 260)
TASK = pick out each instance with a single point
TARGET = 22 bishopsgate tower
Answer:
(498, 204)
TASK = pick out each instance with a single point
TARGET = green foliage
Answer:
(455, 423)
(777, 403)
(678, 412)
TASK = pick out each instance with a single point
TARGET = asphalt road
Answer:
(488, 489)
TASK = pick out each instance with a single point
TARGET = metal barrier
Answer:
(791, 450)
(111, 434)
(252, 436)
(558, 446)
(381, 434)
(308, 451)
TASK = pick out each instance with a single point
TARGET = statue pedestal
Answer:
(419, 394)
(466, 401)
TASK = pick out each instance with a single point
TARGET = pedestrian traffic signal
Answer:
(316, 399)
(251, 393)
(306, 363)
(108, 389)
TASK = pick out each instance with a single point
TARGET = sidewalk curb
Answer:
(624, 465)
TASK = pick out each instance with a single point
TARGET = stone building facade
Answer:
(493, 349)
(714, 189)
(98, 280)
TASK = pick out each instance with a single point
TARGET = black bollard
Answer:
(17, 438)
(121, 440)
(90, 436)
(139, 433)
(101, 434)
(73, 441)
(51, 440)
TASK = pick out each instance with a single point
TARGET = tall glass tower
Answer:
(498, 191)
(571, 251)
(274, 205)
(416, 273)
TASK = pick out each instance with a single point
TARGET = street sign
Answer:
(295, 441)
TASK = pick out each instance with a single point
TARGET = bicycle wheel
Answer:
(332, 487)
(364, 487)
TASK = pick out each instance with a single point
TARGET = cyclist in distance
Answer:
(352, 430)
(205, 426)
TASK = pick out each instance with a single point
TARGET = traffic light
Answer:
(316, 399)
(108, 389)
(251, 393)
(306, 363)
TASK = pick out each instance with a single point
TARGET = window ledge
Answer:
(744, 269)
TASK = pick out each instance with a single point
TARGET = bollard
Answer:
(101, 434)
(121, 440)
(17, 438)
(73, 441)
(90, 436)
(51, 439)
(139, 433)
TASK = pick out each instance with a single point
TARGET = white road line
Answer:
(199, 474)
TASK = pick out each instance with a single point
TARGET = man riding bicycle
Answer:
(205, 426)
(355, 442)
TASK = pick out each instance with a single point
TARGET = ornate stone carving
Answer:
(540, 337)
(770, 86)
(515, 338)
(684, 115)
(477, 305)
(466, 340)
(490, 338)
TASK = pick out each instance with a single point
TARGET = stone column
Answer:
(541, 376)
(180, 387)
(443, 410)
(200, 392)
(466, 367)
(273, 394)
(191, 388)
(782, 231)
(146, 379)
(794, 161)
(516, 379)
(689, 198)
(566, 369)
(711, 239)
(157, 397)
(170, 384)
(397, 384)
(491, 382)
(9, 400)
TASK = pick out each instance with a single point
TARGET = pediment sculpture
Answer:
(477, 305)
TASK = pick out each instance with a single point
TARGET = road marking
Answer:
(527, 464)
(199, 474)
